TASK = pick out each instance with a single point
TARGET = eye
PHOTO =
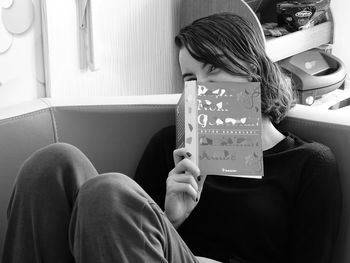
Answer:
(211, 68)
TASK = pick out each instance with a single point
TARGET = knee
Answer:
(109, 210)
(58, 153)
(55, 155)
(52, 154)
(57, 163)
(111, 187)
(112, 194)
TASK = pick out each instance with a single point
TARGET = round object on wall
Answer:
(5, 39)
(19, 17)
(6, 3)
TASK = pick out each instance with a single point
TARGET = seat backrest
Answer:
(113, 135)
(112, 132)
(23, 130)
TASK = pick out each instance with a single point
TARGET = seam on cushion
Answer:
(128, 106)
(170, 106)
(53, 122)
(54, 125)
(23, 116)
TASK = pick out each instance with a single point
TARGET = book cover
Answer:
(220, 124)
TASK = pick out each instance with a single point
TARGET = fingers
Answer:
(184, 178)
(182, 183)
(187, 166)
(180, 154)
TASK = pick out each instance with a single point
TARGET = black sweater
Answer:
(291, 215)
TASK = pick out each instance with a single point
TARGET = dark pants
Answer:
(61, 210)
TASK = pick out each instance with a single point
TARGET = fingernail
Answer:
(199, 178)
(189, 154)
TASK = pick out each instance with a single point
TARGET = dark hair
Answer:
(228, 34)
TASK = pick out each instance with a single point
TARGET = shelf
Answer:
(279, 48)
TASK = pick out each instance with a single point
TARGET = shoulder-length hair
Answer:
(208, 38)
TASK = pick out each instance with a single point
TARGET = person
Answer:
(292, 214)
(61, 210)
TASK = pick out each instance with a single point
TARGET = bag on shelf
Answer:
(296, 16)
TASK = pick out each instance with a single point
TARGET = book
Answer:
(220, 124)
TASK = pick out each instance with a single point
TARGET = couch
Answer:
(113, 133)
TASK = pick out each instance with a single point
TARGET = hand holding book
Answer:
(220, 124)
(183, 187)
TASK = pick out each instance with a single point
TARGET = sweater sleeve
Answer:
(155, 164)
(318, 209)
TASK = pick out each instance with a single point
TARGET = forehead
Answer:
(187, 62)
(189, 65)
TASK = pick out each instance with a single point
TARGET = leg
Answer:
(41, 203)
(114, 220)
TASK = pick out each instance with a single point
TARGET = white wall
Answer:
(138, 56)
(135, 50)
(340, 10)
(21, 69)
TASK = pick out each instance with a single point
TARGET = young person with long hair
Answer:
(61, 210)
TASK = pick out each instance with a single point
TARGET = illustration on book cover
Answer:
(220, 123)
